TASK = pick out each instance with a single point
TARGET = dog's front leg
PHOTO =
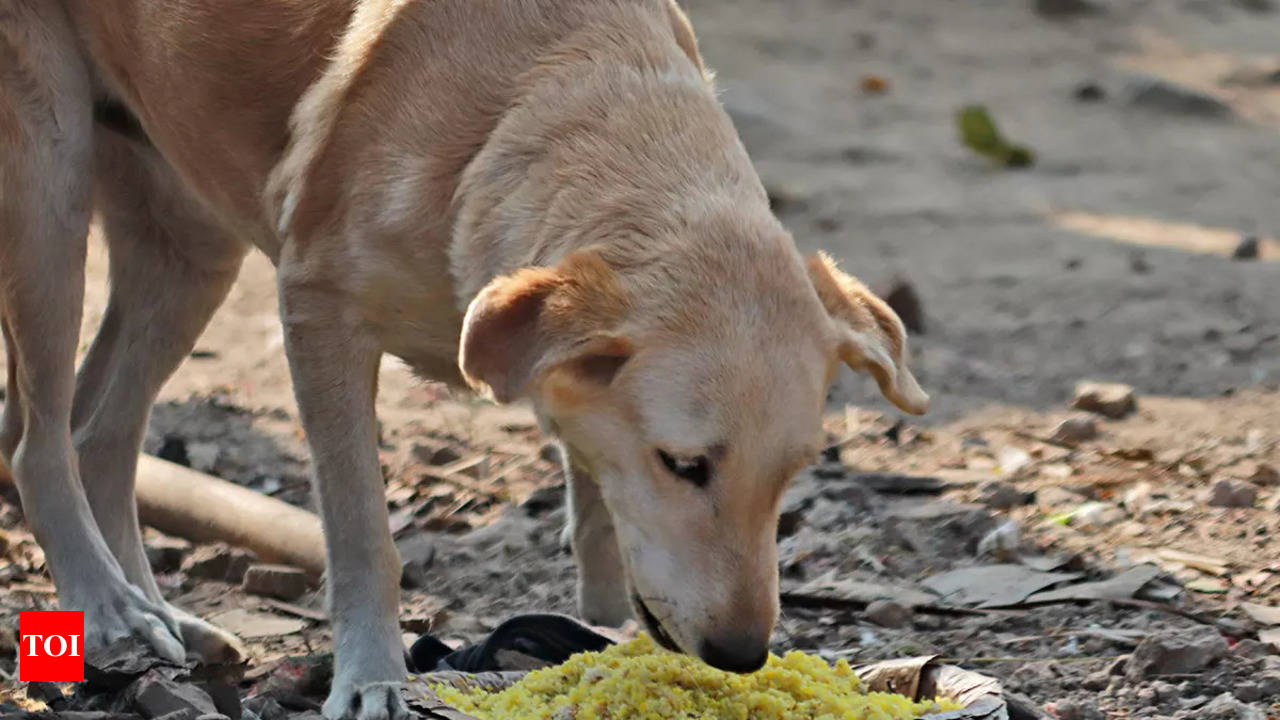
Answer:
(334, 363)
(602, 577)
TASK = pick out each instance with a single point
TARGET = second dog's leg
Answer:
(45, 142)
(334, 363)
(171, 267)
(602, 581)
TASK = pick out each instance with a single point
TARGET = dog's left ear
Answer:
(872, 337)
(522, 326)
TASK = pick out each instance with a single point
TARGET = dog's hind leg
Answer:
(45, 160)
(171, 267)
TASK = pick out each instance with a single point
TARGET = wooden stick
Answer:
(183, 502)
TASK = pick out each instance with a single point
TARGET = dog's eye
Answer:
(696, 470)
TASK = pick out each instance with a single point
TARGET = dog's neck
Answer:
(610, 147)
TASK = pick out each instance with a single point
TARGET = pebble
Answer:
(1113, 400)
(1076, 710)
(1064, 8)
(277, 581)
(887, 613)
(219, 561)
(434, 454)
(1001, 495)
(1247, 249)
(1075, 429)
(1232, 493)
(1269, 684)
(901, 295)
(1247, 692)
(1175, 653)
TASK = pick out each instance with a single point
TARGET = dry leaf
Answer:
(993, 585)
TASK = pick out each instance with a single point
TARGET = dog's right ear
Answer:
(523, 325)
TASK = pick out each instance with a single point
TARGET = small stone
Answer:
(1064, 8)
(1076, 710)
(1096, 681)
(1001, 495)
(1089, 92)
(1175, 653)
(166, 553)
(901, 296)
(1226, 707)
(1113, 400)
(1075, 430)
(203, 456)
(219, 561)
(1012, 459)
(1265, 475)
(434, 453)
(1232, 493)
(887, 613)
(277, 581)
(1247, 249)
(156, 695)
(1269, 684)
(1247, 692)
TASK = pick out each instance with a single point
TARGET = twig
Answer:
(297, 610)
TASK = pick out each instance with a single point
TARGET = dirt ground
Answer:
(1156, 130)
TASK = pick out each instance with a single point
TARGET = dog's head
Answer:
(691, 389)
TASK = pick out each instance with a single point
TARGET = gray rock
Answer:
(887, 613)
(1247, 249)
(277, 581)
(1077, 710)
(1247, 692)
(219, 561)
(1269, 684)
(1113, 400)
(1175, 653)
(155, 695)
(1226, 707)
(1065, 8)
(901, 295)
(1232, 493)
(1075, 430)
(1001, 495)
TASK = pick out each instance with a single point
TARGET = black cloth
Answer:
(546, 636)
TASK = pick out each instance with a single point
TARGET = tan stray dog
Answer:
(540, 197)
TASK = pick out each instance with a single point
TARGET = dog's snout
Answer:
(740, 654)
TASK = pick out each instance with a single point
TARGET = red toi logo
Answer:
(51, 646)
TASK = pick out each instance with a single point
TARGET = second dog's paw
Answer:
(205, 643)
(121, 611)
(370, 701)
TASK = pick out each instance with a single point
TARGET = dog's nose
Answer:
(739, 655)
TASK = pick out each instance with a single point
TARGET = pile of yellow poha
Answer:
(639, 681)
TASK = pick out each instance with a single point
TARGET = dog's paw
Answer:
(207, 644)
(119, 610)
(368, 701)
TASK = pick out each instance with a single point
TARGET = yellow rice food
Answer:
(639, 681)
